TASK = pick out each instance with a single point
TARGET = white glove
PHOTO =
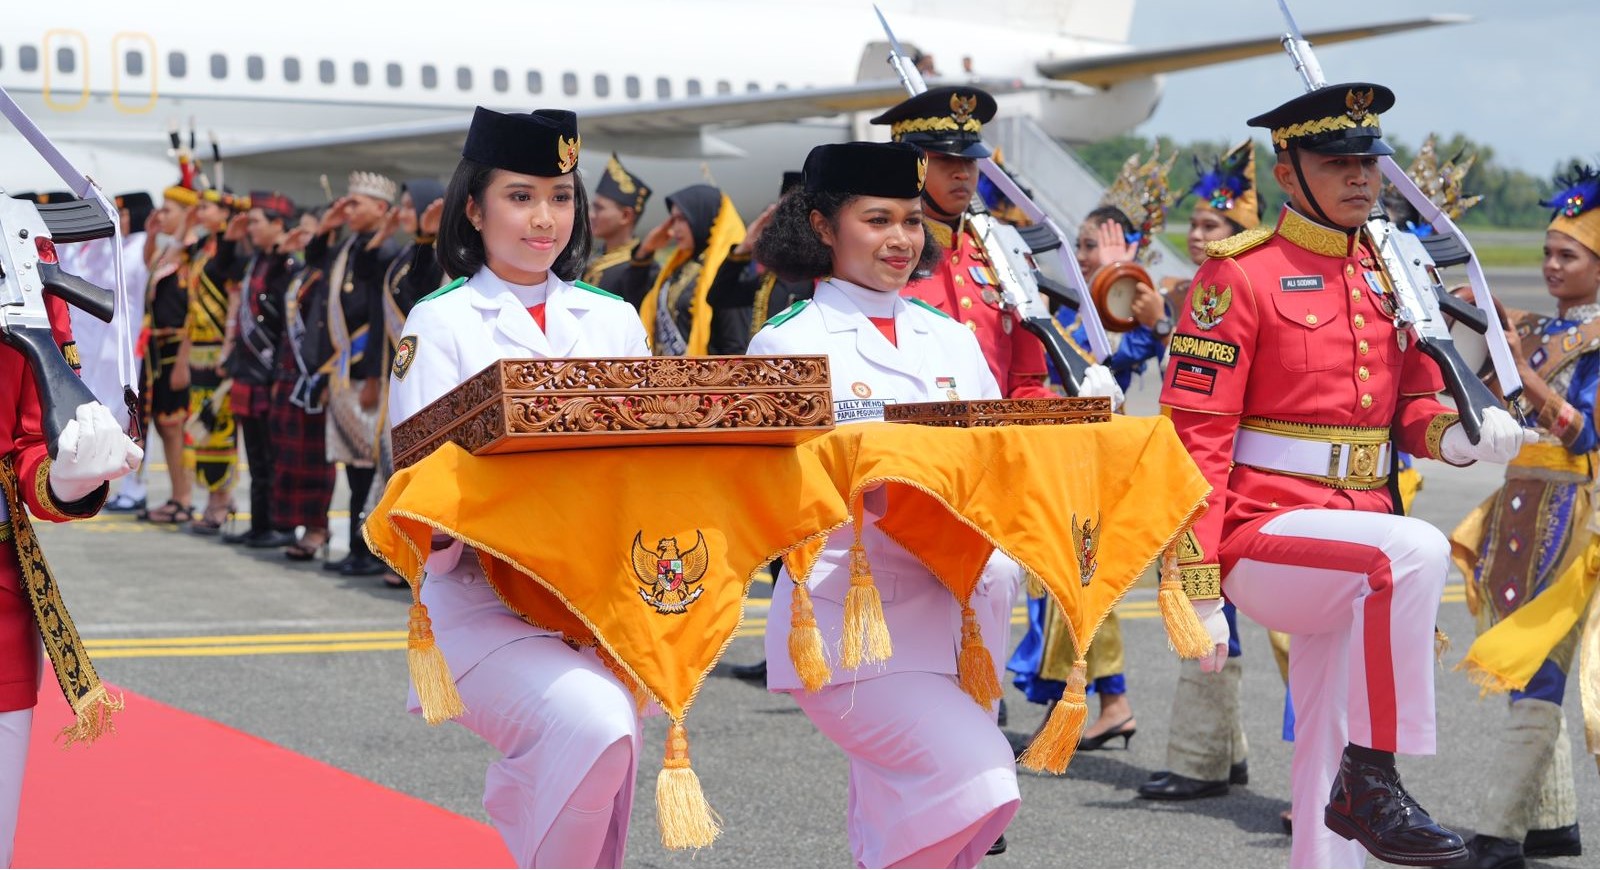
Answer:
(1216, 625)
(1500, 439)
(1098, 381)
(93, 449)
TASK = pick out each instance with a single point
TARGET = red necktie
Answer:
(538, 315)
(886, 326)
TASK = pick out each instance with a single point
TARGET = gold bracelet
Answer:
(1201, 582)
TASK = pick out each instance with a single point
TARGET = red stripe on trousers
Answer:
(1356, 559)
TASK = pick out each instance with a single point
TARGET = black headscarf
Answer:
(423, 191)
(700, 204)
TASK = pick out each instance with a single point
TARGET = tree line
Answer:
(1510, 196)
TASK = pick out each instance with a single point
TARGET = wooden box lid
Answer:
(1001, 412)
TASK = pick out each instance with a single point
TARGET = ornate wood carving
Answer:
(1001, 412)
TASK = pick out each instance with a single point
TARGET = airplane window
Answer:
(780, 86)
(724, 86)
(2, 58)
(325, 71)
(752, 87)
(393, 74)
(360, 73)
(291, 69)
(502, 80)
(133, 63)
(631, 83)
(602, 85)
(430, 76)
(28, 57)
(66, 60)
(569, 84)
(255, 67)
(219, 66)
(535, 82)
(464, 78)
(664, 88)
(177, 64)
(693, 87)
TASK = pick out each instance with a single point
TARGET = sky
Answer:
(1520, 77)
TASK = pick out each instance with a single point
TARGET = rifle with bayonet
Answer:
(1011, 255)
(1412, 266)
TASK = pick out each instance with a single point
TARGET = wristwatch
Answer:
(1163, 327)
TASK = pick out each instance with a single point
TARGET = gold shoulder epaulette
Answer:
(941, 233)
(1238, 243)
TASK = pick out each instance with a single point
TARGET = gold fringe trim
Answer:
(1036, 588)
(1487, 681)
(866, 633)
(430, 673)
(974, 664)
(1057, 742)
(805, 641)
(93, 717)
(1441, 645)
(1184, 632)
(685, 818)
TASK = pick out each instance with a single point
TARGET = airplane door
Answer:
(66, 70)
(133, 72)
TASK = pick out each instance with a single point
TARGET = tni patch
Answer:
(405, 353)
(1194, 378)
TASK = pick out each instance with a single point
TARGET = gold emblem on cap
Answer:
(961, 108)
(922, 171)
(1356, 103)
(567, 152)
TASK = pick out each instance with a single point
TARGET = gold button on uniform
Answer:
(1363, 347)
(1311, 319)
(1359, 321)
(1366, 400)
(959, 282)
(972, 325)
(966, 302)
(1362, 373)
(1349, 269)
(1355, 295)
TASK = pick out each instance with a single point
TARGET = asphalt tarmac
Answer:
(315, 663)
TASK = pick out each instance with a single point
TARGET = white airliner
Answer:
(294, 89)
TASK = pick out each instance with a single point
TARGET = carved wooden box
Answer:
(1001, 412)
(521, 405)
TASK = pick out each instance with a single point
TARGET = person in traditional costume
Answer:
(1285, 353)
(302, 477)
(614, 211)
(166, 372)
(746, 291)
(514, 237)
(352, 343)
(211, 278)
(703, 227)
(257, 335)
(1529, 552)
(932, 778)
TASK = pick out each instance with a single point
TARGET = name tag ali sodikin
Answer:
(1300, 283)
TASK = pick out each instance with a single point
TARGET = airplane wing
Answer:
(1109, 69)
(676, 128)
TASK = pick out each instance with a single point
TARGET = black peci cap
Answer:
(791, 180)
(622, 187)
(1337, 119)
(948, 120)
(544, 142)
(894, 170)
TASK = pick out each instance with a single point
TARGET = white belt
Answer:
(1336, 463)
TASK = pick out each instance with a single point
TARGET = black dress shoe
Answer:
(337, 566)
(269, 540)
(1177, 787)
(999, 847)
(237, 537)
(1370, 806)
(756, 673)
(1553, 842)
(1239, 774)
(364, 566)
(1494, 852)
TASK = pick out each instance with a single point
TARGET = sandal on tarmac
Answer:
(305, 550)
(172, 512)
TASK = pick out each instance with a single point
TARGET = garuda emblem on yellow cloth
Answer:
(567, 152)
(1208, 304)
(670, 579)
(1086, 544)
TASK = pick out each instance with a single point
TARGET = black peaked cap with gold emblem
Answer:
(1337, 119)
(895, 170)
(622, 187)
(948, 120)
(544, 142)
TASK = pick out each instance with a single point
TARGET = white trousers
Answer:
(15, 727)
(1358, 593)
(569, 735)
(926, 763)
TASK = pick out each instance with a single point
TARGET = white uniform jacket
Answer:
(457, 333)
(936, 359)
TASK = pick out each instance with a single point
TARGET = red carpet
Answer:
(171, 789)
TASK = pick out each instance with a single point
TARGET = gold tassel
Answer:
(866, 634)
(1035, 583)
(1053, 749)
(685, 819)
(430, 673)
(1441, 645)
(1184, 632)
(805, 641)
(974, 665)
(92, 719)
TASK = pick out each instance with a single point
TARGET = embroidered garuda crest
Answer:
(1356, 103)
(1208, 304)
(669, 579)
(567, 152)
(922, 171)
(1086, 544)
(961, 108)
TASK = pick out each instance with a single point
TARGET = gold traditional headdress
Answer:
(1141, 191)
(1442, 182)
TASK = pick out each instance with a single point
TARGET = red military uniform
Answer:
(963, 286)
(1287, 382)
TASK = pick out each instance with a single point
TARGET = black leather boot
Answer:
(1493, 852)
(1370, 806)
(1553, 842)
(1169, 786)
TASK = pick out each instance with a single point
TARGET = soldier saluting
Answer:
(1292, 388)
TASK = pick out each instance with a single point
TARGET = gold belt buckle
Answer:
(1364, 461)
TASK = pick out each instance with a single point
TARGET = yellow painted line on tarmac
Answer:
(245, 639)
